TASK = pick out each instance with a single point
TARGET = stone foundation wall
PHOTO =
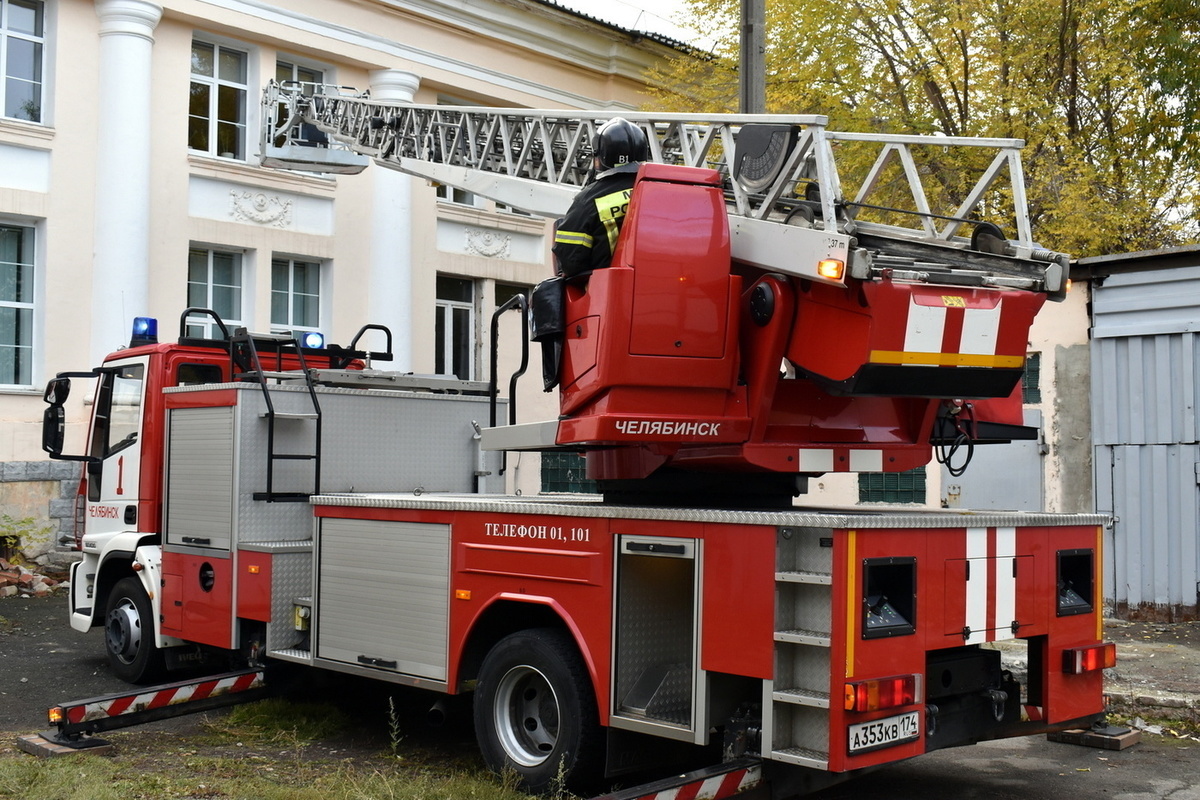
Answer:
(37, 506)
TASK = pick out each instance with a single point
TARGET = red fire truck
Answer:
(275, 500)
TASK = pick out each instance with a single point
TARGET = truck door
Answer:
(113, 482)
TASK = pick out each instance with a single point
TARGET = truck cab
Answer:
(119, 517)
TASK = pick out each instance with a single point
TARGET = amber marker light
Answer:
(462, 594)
(56, 715)
(831, 268)
(253, 569)
(1078, 660)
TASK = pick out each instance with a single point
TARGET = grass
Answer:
(270, 750)
(279, 721)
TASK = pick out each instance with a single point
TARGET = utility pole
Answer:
(752, 67)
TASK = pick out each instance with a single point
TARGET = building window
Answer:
(214, 282)
(1031, 380)
(454, 330)
(566, 472)
(892, 487)
(217, 110)
(295, 295)
(452, 194)
(22, 48)
(507, 291)
(286, 71)
(16, 305)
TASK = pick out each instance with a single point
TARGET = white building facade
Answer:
(130, 185)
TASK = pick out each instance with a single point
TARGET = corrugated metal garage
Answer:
(1146, 430)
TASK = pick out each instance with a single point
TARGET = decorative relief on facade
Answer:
(258, 207)
(490, 244)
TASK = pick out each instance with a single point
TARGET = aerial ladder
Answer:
(844, 304)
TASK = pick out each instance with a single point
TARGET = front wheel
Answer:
(129, 634)
(535, 711)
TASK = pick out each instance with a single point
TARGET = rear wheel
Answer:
(535, 711)
(129, 634)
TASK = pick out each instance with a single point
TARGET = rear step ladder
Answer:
(78, 720)
(246, 365)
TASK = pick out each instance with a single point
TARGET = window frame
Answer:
(215, 82)
(41, 67)
(33, 306)
(444, 352)
(209, 286)
(292, 261)
(453, 195)
(294, 65)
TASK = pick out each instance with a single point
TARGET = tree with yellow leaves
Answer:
(1111, 162)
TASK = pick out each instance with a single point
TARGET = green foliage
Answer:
(279, 721)
(82, 778)
(395, 734)
(1169, 31)
(264, 754)
(1111, 165)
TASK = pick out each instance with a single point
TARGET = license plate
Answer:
(884, 732)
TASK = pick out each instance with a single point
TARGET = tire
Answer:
(535, 712)
(129, 634)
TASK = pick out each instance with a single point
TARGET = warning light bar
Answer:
(881, 693)
(145, 331)
(1078, 660)
(313, 340)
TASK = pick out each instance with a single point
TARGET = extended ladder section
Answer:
(799, 194)
(247, 365)
(867, 263)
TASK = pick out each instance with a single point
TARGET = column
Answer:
(121, 262)
(390, 290)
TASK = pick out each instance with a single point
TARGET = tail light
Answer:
(1078, 660)
(881, 693)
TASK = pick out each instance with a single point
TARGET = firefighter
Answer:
(587, 235)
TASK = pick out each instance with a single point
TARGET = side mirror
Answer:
(57, 391)
(54, 424)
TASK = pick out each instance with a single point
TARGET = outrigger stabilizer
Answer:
(78, 721)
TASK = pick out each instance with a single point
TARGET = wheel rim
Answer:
(526, 716)
(123, 633)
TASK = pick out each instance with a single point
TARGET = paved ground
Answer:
(42, 662)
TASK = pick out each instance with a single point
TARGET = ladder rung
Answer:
(801, 576)
(801, 697)
(294, 456)
(291, 415)
(800, 636)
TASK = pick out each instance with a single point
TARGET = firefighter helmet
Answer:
(620, 142)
